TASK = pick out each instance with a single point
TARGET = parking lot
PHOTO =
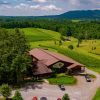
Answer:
(83, 90)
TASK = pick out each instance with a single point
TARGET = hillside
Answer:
(36, 34)
(78, 14)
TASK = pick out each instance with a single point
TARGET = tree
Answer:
(79, 41)
(5, 90)
(14, 58)
(65, 97)
(19, 65)
(71, 47)
(69, 33)
(17, 96)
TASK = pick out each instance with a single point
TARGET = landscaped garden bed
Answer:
(62, 79)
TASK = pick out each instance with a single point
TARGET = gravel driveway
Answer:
(81, 91)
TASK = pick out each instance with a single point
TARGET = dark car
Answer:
(62, 87)
(43, 98)
(88, 79)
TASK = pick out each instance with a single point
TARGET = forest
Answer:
(79, 29)
(14, 59)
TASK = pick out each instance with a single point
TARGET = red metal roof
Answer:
(49, 58)
(46, 58)
(63, 58)
(41, 55)
(41, 68)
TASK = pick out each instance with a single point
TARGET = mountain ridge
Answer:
(77, 14)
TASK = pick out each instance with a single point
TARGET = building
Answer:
(46, 62)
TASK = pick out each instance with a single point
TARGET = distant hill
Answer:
(78, 14)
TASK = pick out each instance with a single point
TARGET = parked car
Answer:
(34, 98)
(43, 98)
(62, 87)
(58, 99)
(88, 79)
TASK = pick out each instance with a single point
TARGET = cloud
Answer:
(24, 6)
(4, 2)
(21, 6)
(74, 2)
(51, 7)
(38, 1)
(46, 8)
(41, 1)
(36, 7)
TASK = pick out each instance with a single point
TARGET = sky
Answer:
(44, 7)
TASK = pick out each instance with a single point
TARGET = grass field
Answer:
(97, 96)
(91, 46)
(36, 34)
(87, 54)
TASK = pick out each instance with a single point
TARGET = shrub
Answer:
(61, 75)
(5, 90)
(17, 96)
(65, 97)
(92, 76)
(71, 47)
(94, 48)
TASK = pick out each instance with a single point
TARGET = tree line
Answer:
(81, 29)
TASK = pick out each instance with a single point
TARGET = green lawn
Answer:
(66, 80)
(36, 34)
(97, 96)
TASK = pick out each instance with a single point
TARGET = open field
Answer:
(91, 46)
(87, 54)
(36, 34)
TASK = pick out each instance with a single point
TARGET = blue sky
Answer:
(44, 7)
